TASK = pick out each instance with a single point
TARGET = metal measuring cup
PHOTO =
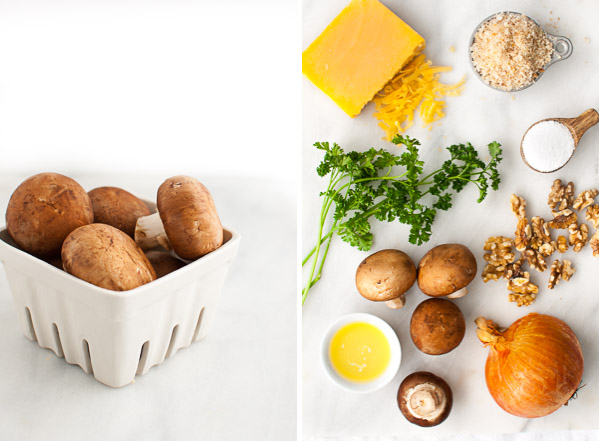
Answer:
(562, 49)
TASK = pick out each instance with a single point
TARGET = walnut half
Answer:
(585, 199)
(523, 234)
(522, 299)
(563, 219)
(522, 285)
(555, 273)
(592, 215)
(562, 244)
(513, 270)
(560, 270)
(567, 270)
(541, 239)
(561, 196)
(578, 236)
(500, 254)
(595, 243)
(518, 206)
(535, 259)
(523, 291)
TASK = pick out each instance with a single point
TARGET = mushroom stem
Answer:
(396, 303)
(426, 401)
(459, 293)
(149, 233)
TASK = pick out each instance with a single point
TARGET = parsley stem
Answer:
(449, 178)
(316, 278)
(336, 227)
(328, 201)
(325, 237)
(323, 210)
(423, 180)
(323, 216)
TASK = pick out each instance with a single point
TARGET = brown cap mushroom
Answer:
(437, 326)
(385, 276)
(186, 222)
(446, 270)
(118, 208)
(43, 210)
(163, 262)
(424, 399)
(106, 257)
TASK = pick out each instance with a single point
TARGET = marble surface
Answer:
(237, 383)
(480, 115)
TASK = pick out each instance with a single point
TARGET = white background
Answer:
(128, 93)
(480, 115)
(172, 87)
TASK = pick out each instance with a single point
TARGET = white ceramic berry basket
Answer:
(115, 335)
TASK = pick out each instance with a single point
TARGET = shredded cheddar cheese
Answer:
(417, 84)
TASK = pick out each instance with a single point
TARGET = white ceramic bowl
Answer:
(115, 335)
(377, 383)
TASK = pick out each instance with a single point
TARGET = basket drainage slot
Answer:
(30, 324)
(87, 360)
(171, 345)
(57, 342)
(143, 358)
(196, 333)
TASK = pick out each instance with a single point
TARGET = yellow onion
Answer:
(534, 366)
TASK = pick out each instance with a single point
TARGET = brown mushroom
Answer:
(163, 262)
(446, 270)
(385, 276)
(43, 210)
(424, 399)
(437, 326)
(118, 208)
(106, 257)
(186, 222)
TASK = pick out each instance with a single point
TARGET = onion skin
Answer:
(534, 367)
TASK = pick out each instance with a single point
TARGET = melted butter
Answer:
(359, 352)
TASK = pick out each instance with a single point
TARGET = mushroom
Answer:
(43, 210)
(385, 276)
(118, 208)
(446, 270)
(106, 257)
(424, 399)
(437, 326)
(163, 262)
(186, 222)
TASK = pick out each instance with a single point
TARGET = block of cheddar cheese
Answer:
(359, 52)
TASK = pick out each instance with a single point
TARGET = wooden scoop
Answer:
(577, 126)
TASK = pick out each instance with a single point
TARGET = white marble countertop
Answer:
(480, 115)
(237, 383)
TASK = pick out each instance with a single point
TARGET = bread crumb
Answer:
(510, 51)
(452, 48)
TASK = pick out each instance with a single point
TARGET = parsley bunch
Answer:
(361, 186)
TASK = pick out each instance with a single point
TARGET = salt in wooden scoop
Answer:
(549, 144)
